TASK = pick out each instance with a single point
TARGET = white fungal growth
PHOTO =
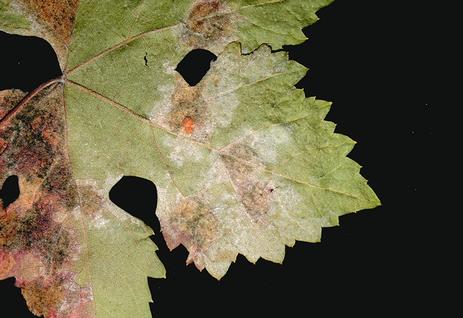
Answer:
(217, 188)
(169, 68)
(285, 199)
(99, 221)
(182, 150)
(267, 142)
(162, 106)
(222, 108)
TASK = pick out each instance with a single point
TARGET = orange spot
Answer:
(188, 125)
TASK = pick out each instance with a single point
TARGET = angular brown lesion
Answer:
(243, 166)
(8, 99)
(256, 197)
(43, 298)
(208, 21)
(191, 223)
(57, 16)
(188, 112)
(34, 135)
(91, 200)
(51, 20)
(36, 154)
(7, 263)
(59, 182)
(35, 231)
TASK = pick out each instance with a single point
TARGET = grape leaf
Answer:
(243, 162)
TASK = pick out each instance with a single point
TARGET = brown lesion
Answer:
(36, 155)
(91, 201)
(188, 112)
(43, 298)
(256, 198)
(35, 231)
(208, 21)
(7, 263)
(34, 135)
(54, 21)
(254, 194)
(57, 16)
(192, 224)
(8, 99)
(59, 182)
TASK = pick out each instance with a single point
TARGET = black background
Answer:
(374, 60)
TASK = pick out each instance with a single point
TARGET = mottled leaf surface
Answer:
(243, 162)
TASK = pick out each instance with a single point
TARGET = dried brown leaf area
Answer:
(38, 240)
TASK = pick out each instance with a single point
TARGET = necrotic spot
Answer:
(10, 191)
(26, 62)
(194, 66)
(138, 197)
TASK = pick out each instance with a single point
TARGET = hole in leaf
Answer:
(26, 62)
(145, 58)
(10, 191)
(138, 197)
(195, 65)
(12, 300)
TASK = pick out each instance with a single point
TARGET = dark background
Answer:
(375, 60)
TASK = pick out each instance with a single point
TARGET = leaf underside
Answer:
(243, 162)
